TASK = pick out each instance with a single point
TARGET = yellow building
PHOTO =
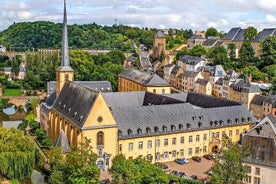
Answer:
(203, 86)
(136, 80)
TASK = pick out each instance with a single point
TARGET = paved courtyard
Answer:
(200, 169)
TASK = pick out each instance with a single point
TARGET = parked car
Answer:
(182, 161)
(196, 158)
(208, 157)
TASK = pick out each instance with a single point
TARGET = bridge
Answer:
(17, 100)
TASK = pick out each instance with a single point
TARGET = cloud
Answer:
(220, 14)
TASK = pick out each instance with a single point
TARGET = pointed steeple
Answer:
(64, 71)
(65, 62)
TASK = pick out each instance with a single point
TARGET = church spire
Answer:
(65, 49)
(64, 71)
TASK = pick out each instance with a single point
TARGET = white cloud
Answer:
(270, 18)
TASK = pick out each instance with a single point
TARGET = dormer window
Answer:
(129, 132)
(237, 120)
(199, 124)
(81, 117)
(120, 133)
(63, 107)
(180, 127)
(211, 123)
(229, 121)
(164, 129)
(75, 114)
(188, 125)
(148, 130)
(173, 127)
(139, 131)
(243, 120)
(156, 129)
(216, 123)
(59, 103)
(69, 110)
(249, 119)
(220, 122)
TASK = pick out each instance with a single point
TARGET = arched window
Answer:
(156, 129)
(188, 125)
(211, 123)
(180, 127)
(173, 127)
(148, 130)
(199, 124)
(66, 76)
(237, 120)
(164, 129)
(229, 121)
(120, 133)
(139, 131)
(129, 132)
(100, 138)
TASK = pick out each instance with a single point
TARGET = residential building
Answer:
(186, 80)
(228, 80)
(197, 39)
(167, 69)
(176, 71)
(218, 88)
(243, 92)
(262, 105)
(191, 63)
(136, 80)
(203, 86)
(261, 162)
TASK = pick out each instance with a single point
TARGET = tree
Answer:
(250, 34)
(232, 51)
(268, 55)
(198, 50)
(117, 57)
(229, 169)
(247, 53)
(17, 156)
(78, 166)
(211, 32)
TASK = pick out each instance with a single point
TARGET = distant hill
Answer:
(43, 34)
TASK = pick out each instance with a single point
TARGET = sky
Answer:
(160, 14)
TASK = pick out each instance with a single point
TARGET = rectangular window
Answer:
(204, 137)
(140, 145)
(157, 156)
(257, 171)
(247, 179)
(182, 139)
(248, 168)
(130, 146)
(157, 143)
(120, 147)
(197, 150)
(223, 134)
(173, 153)
(230, 133)
(197, 138)
(190, 151)
(217, 135)
(213, 135)
(257, 180)
(204, 150)
(237, 132)
(173, 141)
(166, 142)
(190, 138)
(181, 153)
(149, 144)
(165, 155)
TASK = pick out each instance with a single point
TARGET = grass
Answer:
(14, 181)
(13, 92)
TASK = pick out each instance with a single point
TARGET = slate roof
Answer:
(183, 114)
(175, 70)
(49, 102)
(206, 101)
(191, 60)
(265, 128)
(218, 71)
(235, 34)
(188, 74)
(242, 85)
(179, 96)
(202, 82)
(75, 102)
(260, 99)
(265, 33)
(143, 78)
(196, 37)
(137, 98)
(219, 81)
(103, 86)
(159, 34)
(209, 42)
(62, 141)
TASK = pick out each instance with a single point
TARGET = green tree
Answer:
(17, 155)
(247, 54)
(117, 57)
(198, 50)
(250, 34)
(79, 166)
(232, 51)
(211, 32)
(229, 169)
(268, 55)
(182, 53)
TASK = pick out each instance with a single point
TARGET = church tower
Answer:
(64, 72)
